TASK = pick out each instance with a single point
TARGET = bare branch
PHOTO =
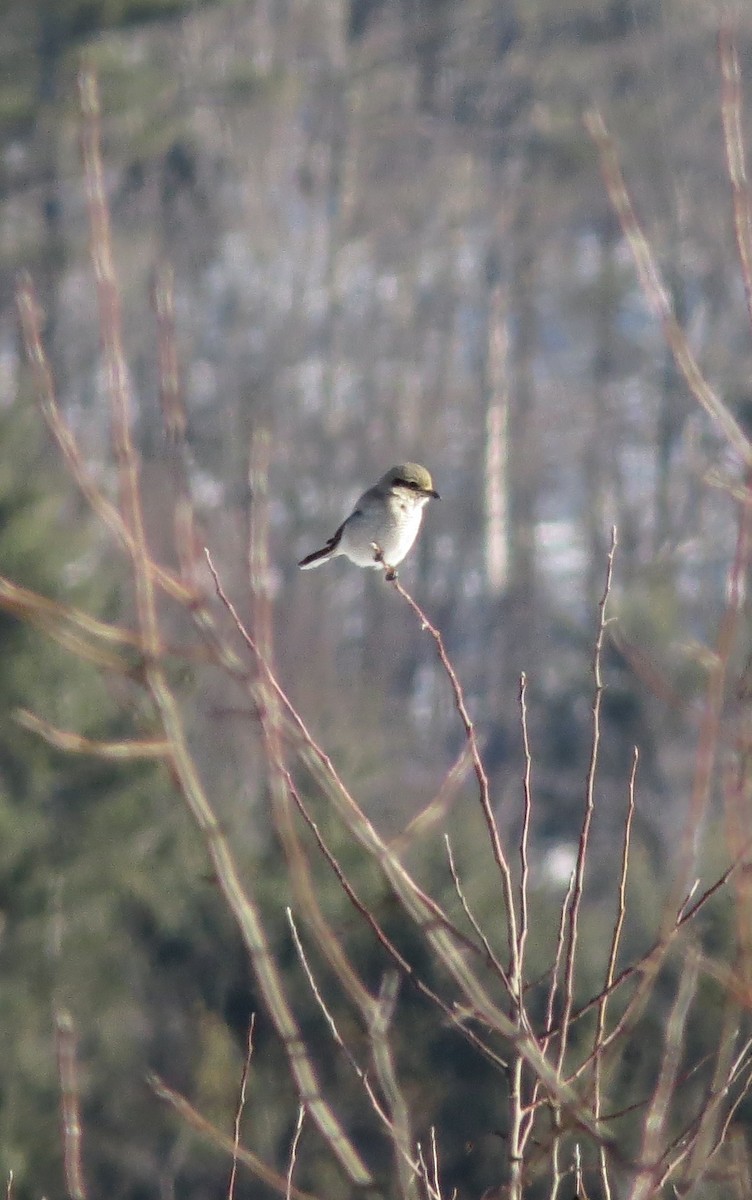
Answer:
(582, 849)
(657, 1114)
(733, 137)
(657, 294)
(215, 1137)
(75, 743)
(480, 774)
(240, 1107)
(70, 1103)
(294, 1151)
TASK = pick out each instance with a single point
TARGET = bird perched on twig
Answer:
(384, 523)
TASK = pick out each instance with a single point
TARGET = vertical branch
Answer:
(569, 931)
(656, 293)
(519, 1129)
(517, 926)
(294, 1151)
(30, 316)
(737, 789)
(239, 901)
(174, 417)
(110, 315)
(383, 1059)
(526, 812)
(270, 719)
(70, 1103)
(241, 1106)
(600, 1024)
(497, 448)
(710, 724)
(545, 1041)
(733, 137)
(643, 1187)
(270, 707)
(659, 301)
(739, 797)
(582, 849)
(258, 542)
(429, 1171)
(742, 1170)
(424, 912)
(362, 1075)
(480, 774)
(712, 1124)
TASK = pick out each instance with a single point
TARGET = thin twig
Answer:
(480, 773)
(655, 1118)
(217, 1137)
(111, 329)
(420, 908)
(336, 1035)
(436, 810)
(600, 1025)
(30, 318)
(70, 1103)
(519, 1122)
(430, 1175)
(545, 1040)
(582, 849)
(733, 138)
(174, 418)
(692, 1141)
(294, 1150)
(407, 1168)
(526, 812)
(657, 294)
(401, 962)
(492, 957)
(435, 1158)
(240, 1107)
(239, 900)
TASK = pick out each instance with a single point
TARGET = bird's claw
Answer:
(390, 573)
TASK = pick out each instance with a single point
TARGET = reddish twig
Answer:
(294, 1150)
(215, 1137)
(621, 912)
(733, 139)
(70, 1103)
(240, 1107)
(584, 839)
(656, 293)
(480, 772)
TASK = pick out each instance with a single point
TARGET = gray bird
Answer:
(384, 523)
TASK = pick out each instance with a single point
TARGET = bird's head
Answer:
(412, 478)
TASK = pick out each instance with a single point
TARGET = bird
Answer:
(384, 523)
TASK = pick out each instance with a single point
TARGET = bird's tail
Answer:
(325, 553)
(316, 559)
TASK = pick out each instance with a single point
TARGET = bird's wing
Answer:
(334, 540)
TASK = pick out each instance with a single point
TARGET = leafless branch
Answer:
(70, 1103)
(240, 1107)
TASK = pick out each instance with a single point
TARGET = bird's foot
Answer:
(390, 573)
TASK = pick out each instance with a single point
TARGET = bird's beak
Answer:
(434, 494)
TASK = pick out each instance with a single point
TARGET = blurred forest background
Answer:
(390, 240)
